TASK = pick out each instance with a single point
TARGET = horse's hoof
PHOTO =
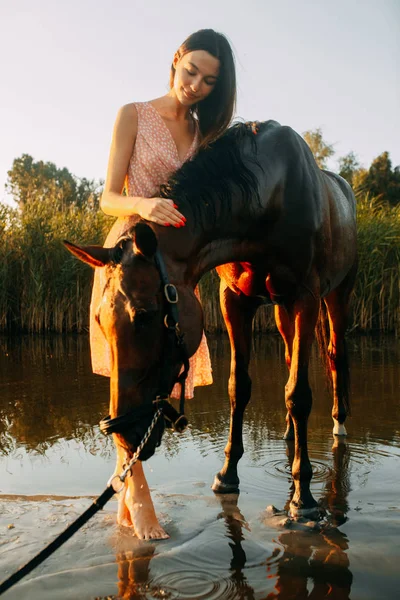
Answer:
(272, 511)
(338, 428)
(220, 487)
(313, 513)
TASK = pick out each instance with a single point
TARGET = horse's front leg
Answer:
(304, 315)
(238, 311)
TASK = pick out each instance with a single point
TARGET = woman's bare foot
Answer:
(135, 508)
(123, 514)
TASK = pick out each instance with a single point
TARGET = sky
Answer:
(67, 66)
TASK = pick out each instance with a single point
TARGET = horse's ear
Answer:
(95, 256)
(145, 241)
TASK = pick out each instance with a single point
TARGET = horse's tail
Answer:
(342, 363)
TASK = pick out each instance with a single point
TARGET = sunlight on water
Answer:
(53, 459)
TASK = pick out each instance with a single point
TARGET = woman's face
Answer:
(196, 74)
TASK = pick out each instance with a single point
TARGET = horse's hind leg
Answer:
(238, 312)
(286, 329)
(304, 315)
(337, 303)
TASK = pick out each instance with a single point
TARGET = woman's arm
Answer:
(158, 210)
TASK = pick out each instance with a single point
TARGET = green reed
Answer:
(376, 298)
(43, 288)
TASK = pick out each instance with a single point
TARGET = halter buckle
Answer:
(168, 287)
(173, 326)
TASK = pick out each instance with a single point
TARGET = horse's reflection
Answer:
(313, 565)
(234, 522)
(334, 499)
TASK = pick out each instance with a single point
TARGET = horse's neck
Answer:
(230, 240)
(206, 246)
(188, 260)
(222, 251)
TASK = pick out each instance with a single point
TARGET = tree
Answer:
(7, 219)
(349, 167)
(320, 149)
(380, 180)
(30, 181)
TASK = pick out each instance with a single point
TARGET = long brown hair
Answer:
(215, 112)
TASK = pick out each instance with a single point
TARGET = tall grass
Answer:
(376, 299)
(43, 288)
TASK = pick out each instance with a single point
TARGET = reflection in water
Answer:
(48, 393)
(335, 498)
(133, 574)
(308, 561)
(314, 563)
(50, 404)
(313, 567)
(234, 522)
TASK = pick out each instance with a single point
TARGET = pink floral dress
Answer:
(154, 159)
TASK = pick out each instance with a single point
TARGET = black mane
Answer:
(214, 174)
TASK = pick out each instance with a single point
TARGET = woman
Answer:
(150, 141)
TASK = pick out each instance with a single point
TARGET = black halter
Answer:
(174, 339)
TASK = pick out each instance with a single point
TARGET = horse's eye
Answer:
(117, 253)
(143, 318)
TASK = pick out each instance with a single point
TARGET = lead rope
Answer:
(97, 505)
(127, 470)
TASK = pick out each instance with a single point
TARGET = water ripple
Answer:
(281, 468)
(196, 584)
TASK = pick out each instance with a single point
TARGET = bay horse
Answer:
(280, 231)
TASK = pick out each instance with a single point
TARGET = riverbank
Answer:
(44, 289)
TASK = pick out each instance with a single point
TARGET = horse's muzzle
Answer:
(134, 425)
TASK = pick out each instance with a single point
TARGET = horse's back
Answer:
(308, 193)
(307, 216)
(341, 190)
(292, 188)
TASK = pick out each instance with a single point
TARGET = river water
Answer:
(53, 461)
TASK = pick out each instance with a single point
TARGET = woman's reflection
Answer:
(134, 571)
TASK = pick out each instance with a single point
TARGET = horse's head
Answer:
(135, 317)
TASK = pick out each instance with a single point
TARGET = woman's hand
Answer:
(159, 210)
